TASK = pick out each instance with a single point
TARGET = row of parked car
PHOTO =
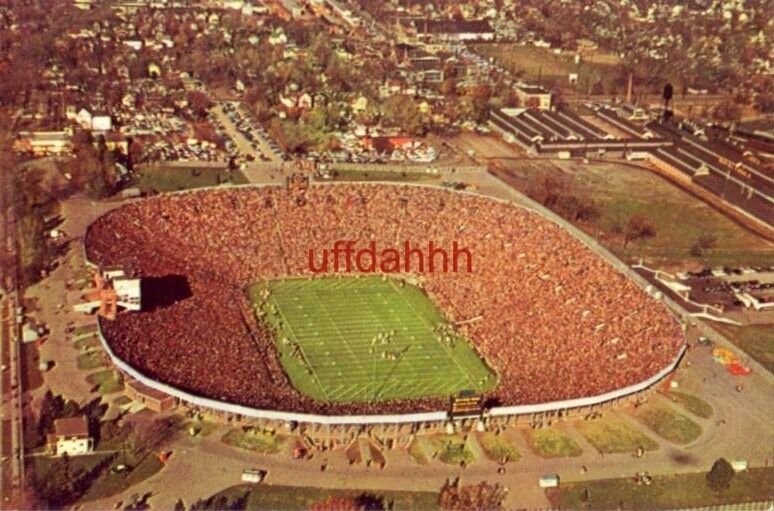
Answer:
(163, 150)
(255, 135)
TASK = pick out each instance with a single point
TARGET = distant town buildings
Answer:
(460, 30)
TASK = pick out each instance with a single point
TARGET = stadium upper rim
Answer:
(418, 417)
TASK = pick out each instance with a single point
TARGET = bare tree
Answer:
(479, 496)
(639, 227)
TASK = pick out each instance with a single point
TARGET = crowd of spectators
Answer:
(553, 319)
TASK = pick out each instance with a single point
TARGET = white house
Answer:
(70, 436)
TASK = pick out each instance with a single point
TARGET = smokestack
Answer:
(629, 89)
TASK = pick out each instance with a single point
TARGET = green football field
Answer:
(347, 339)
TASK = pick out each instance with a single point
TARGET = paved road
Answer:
(13, 477)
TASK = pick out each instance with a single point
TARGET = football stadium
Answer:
(234, 320)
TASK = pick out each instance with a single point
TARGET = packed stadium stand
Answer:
(557, 321)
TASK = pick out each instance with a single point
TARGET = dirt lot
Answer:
(485, 147)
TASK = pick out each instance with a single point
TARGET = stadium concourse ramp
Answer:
(533, 412)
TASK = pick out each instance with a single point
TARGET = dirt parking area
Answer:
(486, 146)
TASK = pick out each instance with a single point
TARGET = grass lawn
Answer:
(82, 284)
(756, 340)
(679, 220)
(451, 449)
(256, 441)
(498, 448)
(83, 330)
(690, 403)
(550, 443)
(292, 498)
(326, 331)
(612, 434)
(363, 175)
(43, 465)
(91, 360)
(172, 178)
(87, 343)
(202, 428)
(107, 381)
(668, 424)
(122, 401)
(112, 484)
(620, 191)
(31, 377)
(104, 484)
(418, 452)
(666, 492)
(541, 65)
(44, 468)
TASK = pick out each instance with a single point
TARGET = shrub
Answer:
(720, 475)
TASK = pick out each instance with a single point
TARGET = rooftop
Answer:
(72, 426)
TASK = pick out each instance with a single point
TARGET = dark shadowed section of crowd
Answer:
(556, 321)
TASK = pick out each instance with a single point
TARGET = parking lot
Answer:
(247, 140)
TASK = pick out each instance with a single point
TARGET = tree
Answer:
(50, 408)
(764, 102)
(587, 210)
(370, 502)
(638, 227)
(548, 190)
(145, 437)
(403, 111)
(336, 503)
(728, 111)
(720, 475)
(220, 502)
(706, 241)
(667, 94)
(33, 247)
(449, 87)
(480, 496)
(199, 103)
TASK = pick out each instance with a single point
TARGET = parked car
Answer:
(704, 341)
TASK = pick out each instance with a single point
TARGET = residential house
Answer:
(71, 437)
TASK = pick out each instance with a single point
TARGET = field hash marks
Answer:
(333, 323)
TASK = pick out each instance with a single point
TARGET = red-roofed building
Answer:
(70, 436)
